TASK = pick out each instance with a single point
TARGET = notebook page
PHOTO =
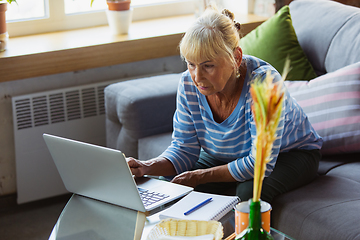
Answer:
(214, 210)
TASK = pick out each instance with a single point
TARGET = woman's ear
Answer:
(238, 56)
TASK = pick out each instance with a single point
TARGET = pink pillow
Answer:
(332, 103)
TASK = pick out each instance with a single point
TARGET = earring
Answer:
(238, 74)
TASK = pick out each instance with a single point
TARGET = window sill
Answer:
(58, 52)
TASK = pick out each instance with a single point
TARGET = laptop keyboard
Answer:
(150, 197)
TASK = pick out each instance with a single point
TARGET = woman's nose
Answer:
(198, 74)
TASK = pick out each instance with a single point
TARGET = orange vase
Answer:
(4, 36)
(119, 5)
(3, 8)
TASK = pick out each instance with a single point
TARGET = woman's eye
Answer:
(209, 66)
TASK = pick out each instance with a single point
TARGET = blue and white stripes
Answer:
(232, 140)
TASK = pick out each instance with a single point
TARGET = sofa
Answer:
(325, 81)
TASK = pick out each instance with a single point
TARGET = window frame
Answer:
(59, 21)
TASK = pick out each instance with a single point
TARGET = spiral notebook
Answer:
(214, 210)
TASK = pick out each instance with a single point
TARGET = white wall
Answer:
(63, 80)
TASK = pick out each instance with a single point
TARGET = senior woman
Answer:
(214, 129)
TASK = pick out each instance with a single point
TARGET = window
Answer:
(26, 10)
(83, 6)
(39, 16)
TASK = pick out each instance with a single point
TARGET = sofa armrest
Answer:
(139, 108)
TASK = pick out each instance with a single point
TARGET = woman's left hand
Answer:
(188, 178)
(201, 176)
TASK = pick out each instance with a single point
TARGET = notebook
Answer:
(102, 173)
(213, 210)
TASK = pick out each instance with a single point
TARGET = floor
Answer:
(30, 221)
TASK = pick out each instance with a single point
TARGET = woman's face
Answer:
(212, 76)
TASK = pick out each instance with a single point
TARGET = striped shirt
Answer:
(232, 140)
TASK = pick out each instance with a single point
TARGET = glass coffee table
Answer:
(85, 218)
(228, 223)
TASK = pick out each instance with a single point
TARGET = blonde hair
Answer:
(212, 35)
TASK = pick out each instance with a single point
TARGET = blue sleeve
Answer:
(184, 150)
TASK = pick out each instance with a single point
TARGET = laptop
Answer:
(102, 173)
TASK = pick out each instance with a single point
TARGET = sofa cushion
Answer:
(348, 170)
(153, 146)
(273, 41)
(141, 107)
(324, 209)
(329, 162)
(330, 38)
(332, 103)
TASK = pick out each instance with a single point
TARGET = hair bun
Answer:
(230, 15)
(237, 25)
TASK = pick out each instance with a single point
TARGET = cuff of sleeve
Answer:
(173, 161)
(231, 166)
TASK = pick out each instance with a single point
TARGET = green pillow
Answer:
(273, 41)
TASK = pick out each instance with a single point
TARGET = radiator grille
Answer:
(40, 111)
(73, 105)
(23, 113)
(89, 103)
(57, 112)
(77, 113)
(101, 95)
(59, 106)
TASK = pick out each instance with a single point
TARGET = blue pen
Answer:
(198, 206)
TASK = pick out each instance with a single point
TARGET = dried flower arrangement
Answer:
(267, 107)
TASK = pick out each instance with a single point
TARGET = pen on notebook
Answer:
(198, 206)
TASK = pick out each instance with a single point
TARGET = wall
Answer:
(45, 83)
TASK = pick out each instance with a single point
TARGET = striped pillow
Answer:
(332, 103)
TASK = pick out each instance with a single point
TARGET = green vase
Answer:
(254, 231)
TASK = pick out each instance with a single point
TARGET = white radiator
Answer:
(77, 113)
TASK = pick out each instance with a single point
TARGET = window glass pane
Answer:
(81, 6)
(25, 10)
(149, 2)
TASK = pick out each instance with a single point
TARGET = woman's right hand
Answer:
(155, 167)
(137, 167)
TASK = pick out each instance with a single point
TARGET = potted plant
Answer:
(120, 5)
(4, 36)
(117, 5)
(119, 15)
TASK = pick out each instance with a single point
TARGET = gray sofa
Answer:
(139, 122)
